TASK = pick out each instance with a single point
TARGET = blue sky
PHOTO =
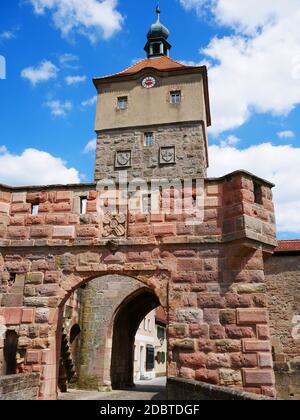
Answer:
(53, 48)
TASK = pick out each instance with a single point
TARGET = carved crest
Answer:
(167, 155)
(114, 225)
(123, 159)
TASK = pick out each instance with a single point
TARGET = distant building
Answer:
(144, 349)
(160, 342)
(150, 346)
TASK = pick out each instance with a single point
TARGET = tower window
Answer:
(175, 97)
(258, 193)
(34, 209)
(123, 102)
(83, 205)
(148, 139)
(156, 49)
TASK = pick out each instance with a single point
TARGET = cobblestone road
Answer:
(144, 390)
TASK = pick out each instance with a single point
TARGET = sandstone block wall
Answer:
(19, 387)
(188, 140)
(189, 390)
(209, 277)
(283, 290)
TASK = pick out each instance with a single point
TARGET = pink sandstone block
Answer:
(33, 356)
(63, 196)
(4, 208)
(164, 229)
(253, 377)
(64, 232)
(19, 197)
(28, 316)
(12, 316)
(252, 316)
(253, 346)
(265, 360)
(263, 332)
(62, 207)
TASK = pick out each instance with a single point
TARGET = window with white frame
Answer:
(148, 139)
(123, 102)
(175, 97)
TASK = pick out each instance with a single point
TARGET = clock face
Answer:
(149, 82)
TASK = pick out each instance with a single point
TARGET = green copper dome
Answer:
(158, 30)
(157, 44)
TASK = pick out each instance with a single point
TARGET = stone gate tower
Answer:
(152, 118)
(209, 276)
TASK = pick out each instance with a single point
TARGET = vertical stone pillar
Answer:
(219, 325)
(43, 351)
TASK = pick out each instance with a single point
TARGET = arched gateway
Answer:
(199, 252)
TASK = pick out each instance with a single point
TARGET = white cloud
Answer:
(7, 35)
(74, 80)
(286, 134)
(3, 149)
(35, 167)
(257, 69)
(91, 18)
(41, 73)
(230, 141)
(278, 164)
(89, 102)
(59, 108)
(90, 147)
(68, 61)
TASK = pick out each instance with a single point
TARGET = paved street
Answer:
(144, 390)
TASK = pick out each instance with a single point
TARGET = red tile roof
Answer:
(161, 63)
(288, 246)
(160, 315)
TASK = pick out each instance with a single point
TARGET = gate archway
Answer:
(111, 310)
(126, 323)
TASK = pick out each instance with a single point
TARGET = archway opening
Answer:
(97, 328)
(127, 321)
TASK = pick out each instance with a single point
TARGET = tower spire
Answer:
(158, 35)
(158, 12)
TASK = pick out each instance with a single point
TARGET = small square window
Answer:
(83, 205)
(123, 102)
(258, 195)
(34, 209)
(148, 139)
(175, 97)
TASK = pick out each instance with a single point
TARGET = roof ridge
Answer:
(146, 60)
(289, 240)
(132, 65)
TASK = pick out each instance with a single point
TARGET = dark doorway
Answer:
(10, 352)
